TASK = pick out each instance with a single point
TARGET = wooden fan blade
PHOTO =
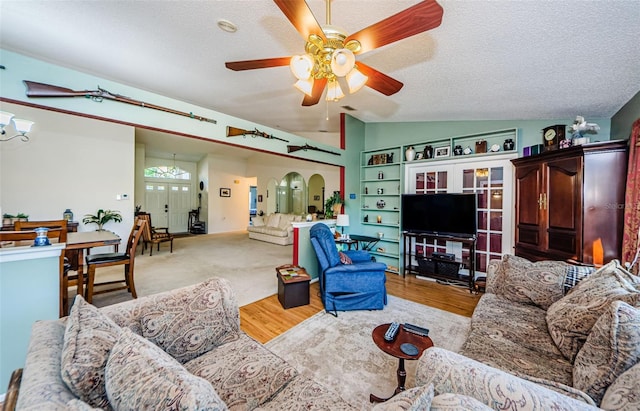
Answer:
(257, 64)
(379, 81)
(301, 17)
(316, 91)
(423, 16)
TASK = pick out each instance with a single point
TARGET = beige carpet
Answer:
(340, 353)
(249, 265)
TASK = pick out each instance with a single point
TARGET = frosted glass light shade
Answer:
(306, 86)
(342, 220)
(5, 118)
(356, 80)
(334, 92)
(342, 61)
(22, 126)
(301, 66)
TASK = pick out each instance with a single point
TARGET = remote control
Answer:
(424, 332)
(392, 332)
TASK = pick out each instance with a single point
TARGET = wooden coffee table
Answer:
(393, 348)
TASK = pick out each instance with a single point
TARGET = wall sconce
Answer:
(21, 126)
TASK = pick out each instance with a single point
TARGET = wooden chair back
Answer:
(50, 224)
(146, 231)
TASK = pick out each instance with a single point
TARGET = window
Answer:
(167, 172)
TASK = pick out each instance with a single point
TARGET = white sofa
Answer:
(275, 228)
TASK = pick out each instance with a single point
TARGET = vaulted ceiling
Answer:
(498, 59)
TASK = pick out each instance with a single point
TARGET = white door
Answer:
(179, 207)
(492, 180)
(156, 199)
(169, 205)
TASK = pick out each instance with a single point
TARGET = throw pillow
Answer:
(142, 376)
(273, 220)
(457, 402)
(622, 394)
(575, 274)
(612, 347)
(344, 259)
(257, 221)
(88, 339)
(418, 398)
(191, 322)
(78, 405)
(538, 283)
(570, 319)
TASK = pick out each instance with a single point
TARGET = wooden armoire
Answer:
(567, 200)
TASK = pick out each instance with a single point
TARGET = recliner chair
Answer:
(345, 287)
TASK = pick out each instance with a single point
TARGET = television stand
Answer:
(424, 256)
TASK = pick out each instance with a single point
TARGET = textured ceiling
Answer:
(488, 60)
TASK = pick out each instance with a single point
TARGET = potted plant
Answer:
(7, 219)
(333, 205)
(22, 217)
(102, 217)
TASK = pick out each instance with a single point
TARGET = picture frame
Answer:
(225, 192)
(316, 198)
(442, 152)
(259, 198)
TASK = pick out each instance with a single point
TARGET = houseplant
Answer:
(333, 205)
(102, 217)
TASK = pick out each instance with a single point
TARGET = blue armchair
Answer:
(344, 287)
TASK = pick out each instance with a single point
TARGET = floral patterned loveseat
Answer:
(178, 350)
(547, 336)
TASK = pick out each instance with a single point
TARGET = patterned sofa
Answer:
(547, 335)
(275, 228)
(180, 350)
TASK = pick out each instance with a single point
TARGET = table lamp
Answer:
(342, 221)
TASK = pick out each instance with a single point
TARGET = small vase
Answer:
(508, 144)
(410, 154)
(68, 214)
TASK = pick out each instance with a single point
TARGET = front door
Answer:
(169, 205)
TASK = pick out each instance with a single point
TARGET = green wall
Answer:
(622, 121)
(380, 135)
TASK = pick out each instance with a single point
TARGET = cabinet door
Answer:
(563, 207)
(530, 221)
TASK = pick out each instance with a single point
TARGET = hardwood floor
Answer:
(266, 319)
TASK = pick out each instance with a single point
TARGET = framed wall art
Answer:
(442, 152)
(225, 192)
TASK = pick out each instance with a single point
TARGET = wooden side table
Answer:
(393, 348)
(293, 285)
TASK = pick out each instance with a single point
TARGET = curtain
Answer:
(630, 245)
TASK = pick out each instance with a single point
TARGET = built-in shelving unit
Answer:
(380, 189)
(382, 182)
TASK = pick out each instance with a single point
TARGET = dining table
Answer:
(81, 241)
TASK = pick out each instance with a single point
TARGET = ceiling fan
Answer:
(330, 52)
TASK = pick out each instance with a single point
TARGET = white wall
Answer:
(70, 162)
(278, 167)
(227, 213)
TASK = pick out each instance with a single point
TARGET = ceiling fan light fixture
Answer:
(342, 61)
(301, 66)
(356, 80)
(334, 92)
(306, 86)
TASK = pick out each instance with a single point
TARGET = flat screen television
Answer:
(453, 214)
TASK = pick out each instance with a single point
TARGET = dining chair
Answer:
(56, 234)
(154, 235)
(95, 261)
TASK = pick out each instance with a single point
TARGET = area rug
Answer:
(340, 353)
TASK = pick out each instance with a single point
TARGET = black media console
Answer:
(424, 256)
